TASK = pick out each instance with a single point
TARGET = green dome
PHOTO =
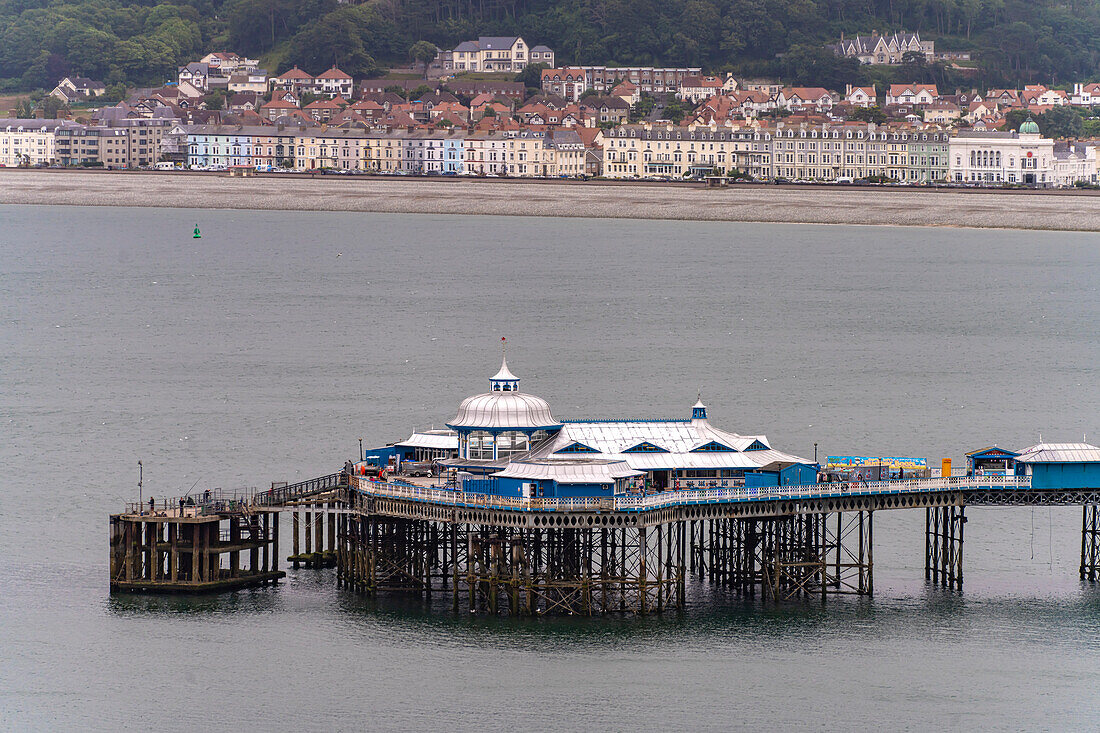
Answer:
(1029, 127)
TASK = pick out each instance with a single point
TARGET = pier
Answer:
(494, 554)
(510, 510)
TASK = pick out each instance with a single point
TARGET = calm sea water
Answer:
(266, 349)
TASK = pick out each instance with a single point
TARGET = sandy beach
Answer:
(1068, 211)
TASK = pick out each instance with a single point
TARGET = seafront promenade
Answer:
(889, 206)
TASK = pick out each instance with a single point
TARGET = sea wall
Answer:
(1054, 210)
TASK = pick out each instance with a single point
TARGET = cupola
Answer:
(699, 411)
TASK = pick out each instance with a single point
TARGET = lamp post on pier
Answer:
(360, 451)
(141, 499)
(815, 452)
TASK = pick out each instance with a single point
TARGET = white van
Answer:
(165, 166)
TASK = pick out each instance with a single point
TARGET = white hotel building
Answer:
(1002, 157)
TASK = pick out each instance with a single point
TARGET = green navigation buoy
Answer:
(197, 234)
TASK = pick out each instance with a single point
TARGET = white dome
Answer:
(504, 410)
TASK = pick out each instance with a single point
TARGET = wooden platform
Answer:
(215, 586)
(211, 548)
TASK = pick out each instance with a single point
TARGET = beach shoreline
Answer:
(887, 206)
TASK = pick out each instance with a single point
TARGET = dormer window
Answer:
(645, 447)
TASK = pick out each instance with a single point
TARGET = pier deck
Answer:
(627, 553)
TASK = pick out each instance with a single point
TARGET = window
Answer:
(479, 446)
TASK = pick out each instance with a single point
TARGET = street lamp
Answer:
(141, 500)
(360, 451)
(815, 452)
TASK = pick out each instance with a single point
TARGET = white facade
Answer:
(861, 96)
(919, 94)
(1002, 157)
(486, 153)
(1085, 95)
(508, 54)
(697, 88)
(334, 83)
(27, 142)
(1075, 163)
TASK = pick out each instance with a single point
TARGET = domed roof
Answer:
(504, 410)
(1029, 127)
(504, 407)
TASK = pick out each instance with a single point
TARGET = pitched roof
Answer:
(334, 73)
(294, 73)
(324, 104)
(675, 440)
(564, 74)
(709, 82)
(496, 43)
(1060, 453)
(899, 89)
(811, 93)
(83, 82)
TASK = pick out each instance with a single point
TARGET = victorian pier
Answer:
(510, 510)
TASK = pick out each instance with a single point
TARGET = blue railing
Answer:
(693, 497)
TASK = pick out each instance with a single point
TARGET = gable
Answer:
(756, 445)
(645, 447)
(576, 447)
(713, 447)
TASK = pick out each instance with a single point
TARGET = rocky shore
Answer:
(1069, 211)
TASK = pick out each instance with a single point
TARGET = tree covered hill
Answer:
(142, 42)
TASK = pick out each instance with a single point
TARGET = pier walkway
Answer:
(694, 497)
(629, 553)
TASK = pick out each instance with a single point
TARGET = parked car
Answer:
(422, 468)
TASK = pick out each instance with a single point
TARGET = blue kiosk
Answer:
(991, 461)
(1061, 465)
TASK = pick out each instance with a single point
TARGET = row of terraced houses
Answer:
(825, 152)
(798, 152)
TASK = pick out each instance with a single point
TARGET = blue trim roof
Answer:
(992, 451)
(617, 419)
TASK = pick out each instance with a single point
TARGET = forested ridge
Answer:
(128, 42)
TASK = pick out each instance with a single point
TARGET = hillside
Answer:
(122, 41)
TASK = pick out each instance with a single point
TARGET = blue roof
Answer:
(991, 451)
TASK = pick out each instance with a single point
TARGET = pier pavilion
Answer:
(505, 434)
